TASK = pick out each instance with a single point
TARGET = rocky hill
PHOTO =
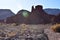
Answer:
(20, 17)
(36, 16)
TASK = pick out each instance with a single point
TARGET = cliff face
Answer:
(39, 16)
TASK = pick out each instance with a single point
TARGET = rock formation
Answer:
(57, 19)
(39, 16)
(36, 16)
(20, 17)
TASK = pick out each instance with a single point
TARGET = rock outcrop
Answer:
(39, 16)
(20, 17)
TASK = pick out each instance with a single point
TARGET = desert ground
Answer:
(19, 32)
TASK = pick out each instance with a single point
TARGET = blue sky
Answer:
(16, 5)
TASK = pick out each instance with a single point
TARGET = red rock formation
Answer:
(39, 15)
(32, 10)
(36, 16)
(39, 7)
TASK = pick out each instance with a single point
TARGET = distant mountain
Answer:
(4, 13)
(52, 11)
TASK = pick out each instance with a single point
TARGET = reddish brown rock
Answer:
(36, 16)
(39, 16)
(57, 19)
(18, 18)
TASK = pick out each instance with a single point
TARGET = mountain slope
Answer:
(52, 11)
(20, 17)
(4, 13)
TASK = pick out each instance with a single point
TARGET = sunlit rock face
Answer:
(25, 14)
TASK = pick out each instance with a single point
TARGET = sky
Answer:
(16, 5)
